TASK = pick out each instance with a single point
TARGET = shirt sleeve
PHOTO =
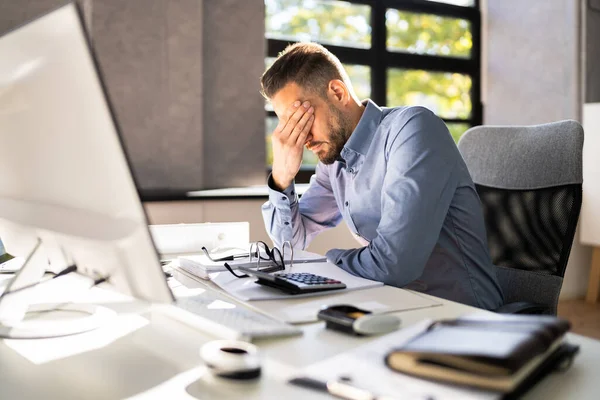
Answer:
(299, 221)
(417, 190)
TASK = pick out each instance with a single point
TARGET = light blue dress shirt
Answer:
(405, 192)
(2, 250)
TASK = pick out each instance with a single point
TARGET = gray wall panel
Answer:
(592, 35)
(533, 61)
(150, 52)
(234, 51)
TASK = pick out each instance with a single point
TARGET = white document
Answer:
(201, 266)
(366, 368)
(246, 289)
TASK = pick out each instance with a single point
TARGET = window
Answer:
(396, 52)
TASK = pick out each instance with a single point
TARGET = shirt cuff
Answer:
(281, 199)
(333, 255)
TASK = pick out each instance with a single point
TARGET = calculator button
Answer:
(307, 279)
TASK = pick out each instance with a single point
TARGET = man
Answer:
(394, 175)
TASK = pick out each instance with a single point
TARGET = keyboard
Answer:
(219, 316)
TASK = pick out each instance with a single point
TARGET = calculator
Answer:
(295, 283)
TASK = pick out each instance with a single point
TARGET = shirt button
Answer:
(286, 223)
(283, 197)
(351, 170)
(346, 203)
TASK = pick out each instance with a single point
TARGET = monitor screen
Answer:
(65, 179)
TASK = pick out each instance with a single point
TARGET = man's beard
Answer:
(340, 130)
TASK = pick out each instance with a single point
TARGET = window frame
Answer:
(380, 59)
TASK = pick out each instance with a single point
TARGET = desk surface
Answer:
(147, 355)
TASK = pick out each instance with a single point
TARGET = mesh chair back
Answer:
(531, 229)
(529, 179)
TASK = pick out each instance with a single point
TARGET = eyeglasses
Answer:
(274, 257)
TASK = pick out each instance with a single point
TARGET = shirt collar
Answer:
(360, 140)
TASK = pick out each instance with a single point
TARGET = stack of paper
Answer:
(201, 266)
(246, 289)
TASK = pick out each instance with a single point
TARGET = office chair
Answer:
(529, 180)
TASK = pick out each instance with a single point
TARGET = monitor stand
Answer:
(64, 320)
(20, 318)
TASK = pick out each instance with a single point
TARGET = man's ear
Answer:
(338, 92)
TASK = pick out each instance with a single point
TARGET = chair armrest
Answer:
(522, 307)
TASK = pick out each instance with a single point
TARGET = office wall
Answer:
(183, 77)
(185, 86)
(592, 51)
(532, 61)
(234, 114)
(150, 52)
(532, 76)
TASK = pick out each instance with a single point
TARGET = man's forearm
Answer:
(372, 264)
(281, 181)
(278, 212)
(299, 221)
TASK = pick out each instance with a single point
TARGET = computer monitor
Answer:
(65, 180)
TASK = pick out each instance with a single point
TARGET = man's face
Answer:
(330, 129)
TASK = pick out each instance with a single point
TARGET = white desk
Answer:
(158, 359)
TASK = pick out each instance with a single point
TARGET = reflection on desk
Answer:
(159, 359)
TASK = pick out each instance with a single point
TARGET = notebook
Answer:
(497, 353)
(363, 366)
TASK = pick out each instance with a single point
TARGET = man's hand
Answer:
(288, 142)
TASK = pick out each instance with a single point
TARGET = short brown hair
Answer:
(309, 65)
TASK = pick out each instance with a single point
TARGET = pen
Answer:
(338, 389)
(230, 258)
